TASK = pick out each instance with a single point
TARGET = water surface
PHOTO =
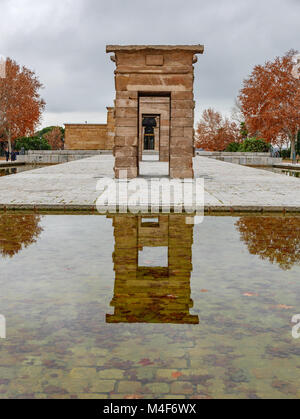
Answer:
(149, 307)
(286, 172)
(6, 171)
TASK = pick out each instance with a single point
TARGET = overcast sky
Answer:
(64, 41)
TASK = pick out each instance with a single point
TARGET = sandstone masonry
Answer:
(155, 80)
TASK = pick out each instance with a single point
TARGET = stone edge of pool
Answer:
(72, 187)
(93, 209)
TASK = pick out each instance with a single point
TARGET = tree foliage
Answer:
(276, 239)
(54, 137)
(32, 143)
(21, 106)
(270, 101)
(49, 138)
(18, 232)
(215, 132)
(254, 145)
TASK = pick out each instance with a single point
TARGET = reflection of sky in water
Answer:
(153, 256)
(57, 292)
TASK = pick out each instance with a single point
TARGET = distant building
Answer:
(91, 136)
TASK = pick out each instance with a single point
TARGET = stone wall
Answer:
(58, 156)
(91, 136)
(245, 159)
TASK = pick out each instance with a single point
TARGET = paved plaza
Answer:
(73, 186)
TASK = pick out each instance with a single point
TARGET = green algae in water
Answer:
(85, 320)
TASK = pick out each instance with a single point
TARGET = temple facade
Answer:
(154, 88)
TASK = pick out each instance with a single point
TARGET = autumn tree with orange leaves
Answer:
(215, 133)
(21, 106)
(276, 239)
(17, 232)
(55, 138)
(270, 101)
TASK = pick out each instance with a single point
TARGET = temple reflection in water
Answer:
(152, 294)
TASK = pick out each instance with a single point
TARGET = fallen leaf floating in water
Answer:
(250, 294)
(145, 362)
(176, 374)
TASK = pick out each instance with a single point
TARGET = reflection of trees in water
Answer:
(7, 172)
(18, 231)
(276, 239)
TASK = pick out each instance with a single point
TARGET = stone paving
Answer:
(73, 186)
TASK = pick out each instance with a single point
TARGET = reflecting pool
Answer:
(6, 171)
(286, 172)
(130, 306)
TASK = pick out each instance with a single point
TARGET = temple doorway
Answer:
(154, 135)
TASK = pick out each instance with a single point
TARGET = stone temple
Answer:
(153, 115)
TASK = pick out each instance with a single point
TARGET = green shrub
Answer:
(254, 145)
(46, 130)
(244, 131)
(32, 143)
(233, 147)
(286, 153)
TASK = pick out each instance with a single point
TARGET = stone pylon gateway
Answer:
(154, 106)
(152, 294)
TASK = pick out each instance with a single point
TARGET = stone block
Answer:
(126, 131)
(132, 172)
(181, 162)
(155, 60)
(157, 388)
(177, 141)
(182, 387)
(182, 122)
(122, 82)
(189, 95)
(126, 95)
(177, 173)
(182, 150)
(125, 162)
(127, 122)
(177, 132)
(102, 386)
(189, 132)
(183, 104)
(126, 151)
(129, 387)
(126, 103)
(182, 113)
(126, 141)
(112, 374)
(126, 113)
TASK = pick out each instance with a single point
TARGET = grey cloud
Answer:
(64, 42)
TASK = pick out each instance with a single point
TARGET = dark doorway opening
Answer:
(149, 124)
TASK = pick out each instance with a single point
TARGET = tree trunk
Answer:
(9, 144)
(293, 148)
